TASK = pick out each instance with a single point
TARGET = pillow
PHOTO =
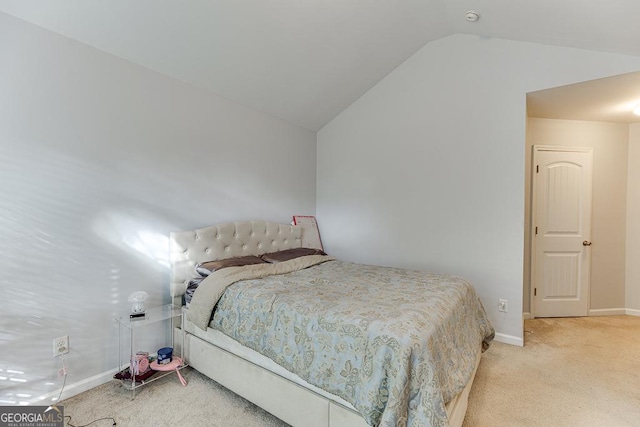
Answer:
(288, 254)
(191, 288)
(206, 268)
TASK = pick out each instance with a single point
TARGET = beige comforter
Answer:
(212, 288)
(396, 344)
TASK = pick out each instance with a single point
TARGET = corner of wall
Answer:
(632, 269)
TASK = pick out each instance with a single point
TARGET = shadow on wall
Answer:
(75, 243)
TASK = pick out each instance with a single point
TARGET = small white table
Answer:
(168, 313)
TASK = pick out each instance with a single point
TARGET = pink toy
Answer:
(175, 363)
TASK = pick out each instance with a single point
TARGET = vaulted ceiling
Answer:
(306, 60)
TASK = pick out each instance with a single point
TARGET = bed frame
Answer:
(293, 403)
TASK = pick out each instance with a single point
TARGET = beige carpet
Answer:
(571, 372)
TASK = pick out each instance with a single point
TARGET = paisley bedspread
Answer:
(396, 344)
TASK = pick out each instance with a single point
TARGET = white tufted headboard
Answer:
(233, 239)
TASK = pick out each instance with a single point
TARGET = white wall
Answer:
(426, 170)
(633, 223)
(99, 160)
(610, 143)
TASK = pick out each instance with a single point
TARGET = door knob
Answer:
(586, 243)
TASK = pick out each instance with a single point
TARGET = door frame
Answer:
(532, 225)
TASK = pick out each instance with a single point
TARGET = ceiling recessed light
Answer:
(471, 16)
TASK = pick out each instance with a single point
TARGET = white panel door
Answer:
(561, 230)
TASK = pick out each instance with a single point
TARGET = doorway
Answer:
(610, 143)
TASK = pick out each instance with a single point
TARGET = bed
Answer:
(320, 342)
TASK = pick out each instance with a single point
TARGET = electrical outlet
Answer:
(61, 346)
(503, 305)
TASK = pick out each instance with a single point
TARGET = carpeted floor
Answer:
(571, 372)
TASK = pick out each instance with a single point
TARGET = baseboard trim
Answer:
(78, 387)
(599, 312)
(509, 339)
(608, 312)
